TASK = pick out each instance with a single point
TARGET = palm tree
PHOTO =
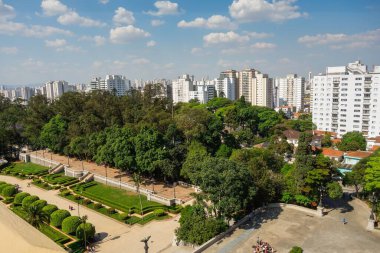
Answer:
(36, 217)
(83, 220)
(137, 179)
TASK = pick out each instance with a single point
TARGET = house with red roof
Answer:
(333, 154)
(353, 157)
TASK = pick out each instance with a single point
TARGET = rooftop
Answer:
(332, 152)
(358, 154)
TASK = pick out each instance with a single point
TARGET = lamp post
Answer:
(68, 160)
(145, 241)
(120, 178)
(78, 202)
(174, 184)
(153, 182)
(374, 200)
(82, 165)
(320, 205)
(106, 173)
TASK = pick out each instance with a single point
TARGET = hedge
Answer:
(39, 203)
(19, 197)
(123, 216)
(70, 224)
(9, 191)
(27, 201)
(57, 217)
(2, 186)
(88, 228)
(159, 212)
(49, 209)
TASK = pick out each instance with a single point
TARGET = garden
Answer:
(67, 231)
(118, 204)
(23, 170)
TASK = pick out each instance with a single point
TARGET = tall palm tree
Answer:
(36, 217)
(137, 180)
(83, 220)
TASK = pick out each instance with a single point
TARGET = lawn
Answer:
(117, 198)
(60, 179)
(25, 169)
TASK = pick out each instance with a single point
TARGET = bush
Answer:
(302, 200)
(98, 206)
(159, 212)
(286, 197)
(2, 186)
(8, 200)
(296, 249)
(70, 224)
(77, 197)
(65, 193)
(19, 197)
(49, 209)
(123, 216)
(85, 229)
(27, 201)
(87, 202)
(111, 210)
(57, 217)
(39, 203)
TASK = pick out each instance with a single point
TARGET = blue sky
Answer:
(76, 40)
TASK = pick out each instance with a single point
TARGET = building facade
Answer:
(262, 90)
(290, 92)
(346, 99)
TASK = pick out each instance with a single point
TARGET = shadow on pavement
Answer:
(342, 204)
(100, 236)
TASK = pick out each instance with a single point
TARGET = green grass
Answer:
(117, 198)
(60, 179)
(42, 185)
(26, 169)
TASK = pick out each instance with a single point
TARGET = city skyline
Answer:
(77, 40)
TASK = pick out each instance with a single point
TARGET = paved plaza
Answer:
(284, 228)
(115, 236)
(160, 188)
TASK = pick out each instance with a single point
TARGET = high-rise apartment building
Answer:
(54, 89)
(227, 84)
(290, 92)
(262, 90)
(246, 83)
(347, 98)
(112, 83)
(186, 88)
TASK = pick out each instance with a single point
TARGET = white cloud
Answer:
(196, 50)
(98, 40)
(125, 34)
(73, 18)
(256, 35)
(140, 61)
(37, 31)
(257, 10)
(104, 1)
(151, 43)
(55, 43)
(8, 50)
(53, 7)
(165, 8)
(213, 22)
(341, 40)
(263, 45)
(229, 37)
(157, 22)
(6, 11)
(123, 17)
(30, 62)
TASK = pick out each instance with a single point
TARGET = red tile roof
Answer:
(332, 152)
(359, 154)
(291, 134)
(375, 147)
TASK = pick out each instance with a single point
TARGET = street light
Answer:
(321, 190)
(106, 173)
(174, 184)
(145, 241)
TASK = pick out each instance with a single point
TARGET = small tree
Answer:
(57, 217)
(296, 249)
(36, 217)
(334, 190)
(352, 141)
(70, 224)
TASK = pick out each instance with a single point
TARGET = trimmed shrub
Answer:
(57, 217)
(296, 249)
(70, 224)
(2, 186)
(159, 212)
(63, 189)
(8, 200)
(39, 203)
(65, 193)
(27, 201)
(85, 229)
(123, 216)
(49, 209)
(302, 200)
(86, 202)
(19, 197)
(111, 210)
(98, 206)
(77, 197)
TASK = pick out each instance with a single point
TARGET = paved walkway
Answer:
(117, 237)
(285, 228)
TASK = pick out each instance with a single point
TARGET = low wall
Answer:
(74, 173)
(38, 160)
(219, 237)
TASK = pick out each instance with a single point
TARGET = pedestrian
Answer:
(344, 221)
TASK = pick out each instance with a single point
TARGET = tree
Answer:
(35, 216)
(326, 141)
(334, 190)
(195, 155)
(352, 141)
(54, 134)
(137, 179)
(196, 227)
(372, 175)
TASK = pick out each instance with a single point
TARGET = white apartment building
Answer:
(113, 83)
(262, 90)
(185, 89)
(227, 84)
(346, 99)
(290, 91)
